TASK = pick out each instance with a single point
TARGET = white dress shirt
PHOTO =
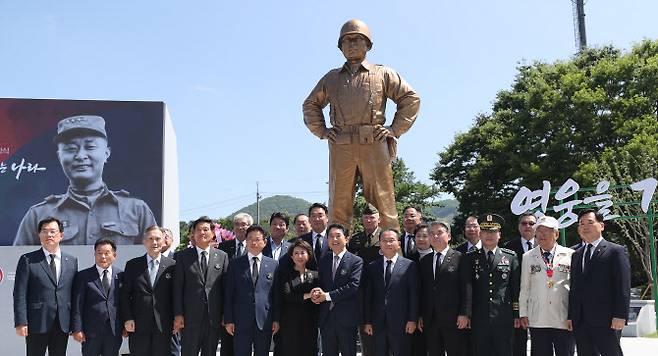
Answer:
(443, 256)
(198, 254)
(340, 258)
(591, 252)
(393, 261)
(524, 244)
(259, 258)
(58, 261)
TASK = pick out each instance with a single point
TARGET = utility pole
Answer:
(257, 204)
(580, 35)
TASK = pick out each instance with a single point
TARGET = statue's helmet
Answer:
(355, 26)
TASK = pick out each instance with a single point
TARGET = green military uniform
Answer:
(114, 214)
(365, 245)
(495, 291)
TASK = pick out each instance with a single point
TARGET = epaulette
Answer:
(122, 192)
(507, 251)
(51, 198)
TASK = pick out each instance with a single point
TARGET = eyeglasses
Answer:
(527, 223)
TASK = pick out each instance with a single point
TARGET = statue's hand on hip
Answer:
(382, 132)
(331, 134)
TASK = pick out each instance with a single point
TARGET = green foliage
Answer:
(277, 203)
(558, 120)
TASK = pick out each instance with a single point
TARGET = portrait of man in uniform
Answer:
(88, 209)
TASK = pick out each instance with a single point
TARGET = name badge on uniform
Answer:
(534, 269)
(564, 268)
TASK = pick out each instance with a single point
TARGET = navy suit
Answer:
(149, 306)
(597, 295)
(252, 308)
(40, 300)
(389, 308)
(339, 318)
(95, 313)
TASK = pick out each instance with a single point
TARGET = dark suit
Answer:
(150, 307)
(418, 342)
(252, 308)
(199, 299)
(597, 295)
(95, 313)
(43, 303)
(403, 245)
(388, 308)
(267, 251)
(231, 250)
(520, 347)
(365, 246)
(444, 298)
(339, 318)
(313, 264)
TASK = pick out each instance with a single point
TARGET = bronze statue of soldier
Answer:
(359, 142)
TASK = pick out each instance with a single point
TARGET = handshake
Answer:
(317, 295)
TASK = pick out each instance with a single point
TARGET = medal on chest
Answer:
(549, 272)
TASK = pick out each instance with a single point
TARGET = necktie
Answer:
(317, 249)
(334, 267)
(106, 283)
(387, 275)
(587, 257)
(529, 245)
(411, 245)
(53, 267)
(490, 259)
(547, 257)
(240, 250)
(254, 270)
(204, 264)
(153, 270)
(472, 248)
(438, 264)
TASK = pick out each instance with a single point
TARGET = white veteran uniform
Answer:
(544, 300)
(544, 292)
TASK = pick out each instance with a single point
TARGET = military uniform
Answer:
(365, 245)
(357, 104)
(495, 301)
(114, 214)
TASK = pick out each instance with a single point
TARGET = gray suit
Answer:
(199, 299)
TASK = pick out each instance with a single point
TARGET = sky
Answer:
(234, 74)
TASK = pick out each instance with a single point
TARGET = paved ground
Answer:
(632, 346)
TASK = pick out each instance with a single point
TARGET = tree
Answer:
(630, 163)
(555, 121)
(408, 191)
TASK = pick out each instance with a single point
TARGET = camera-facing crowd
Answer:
(405, 293)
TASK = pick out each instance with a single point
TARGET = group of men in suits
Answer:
(475, 299)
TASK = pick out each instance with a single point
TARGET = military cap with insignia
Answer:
(491, 222)
(370, 210)
(85, 124)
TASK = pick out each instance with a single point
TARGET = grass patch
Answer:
(654, 335)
